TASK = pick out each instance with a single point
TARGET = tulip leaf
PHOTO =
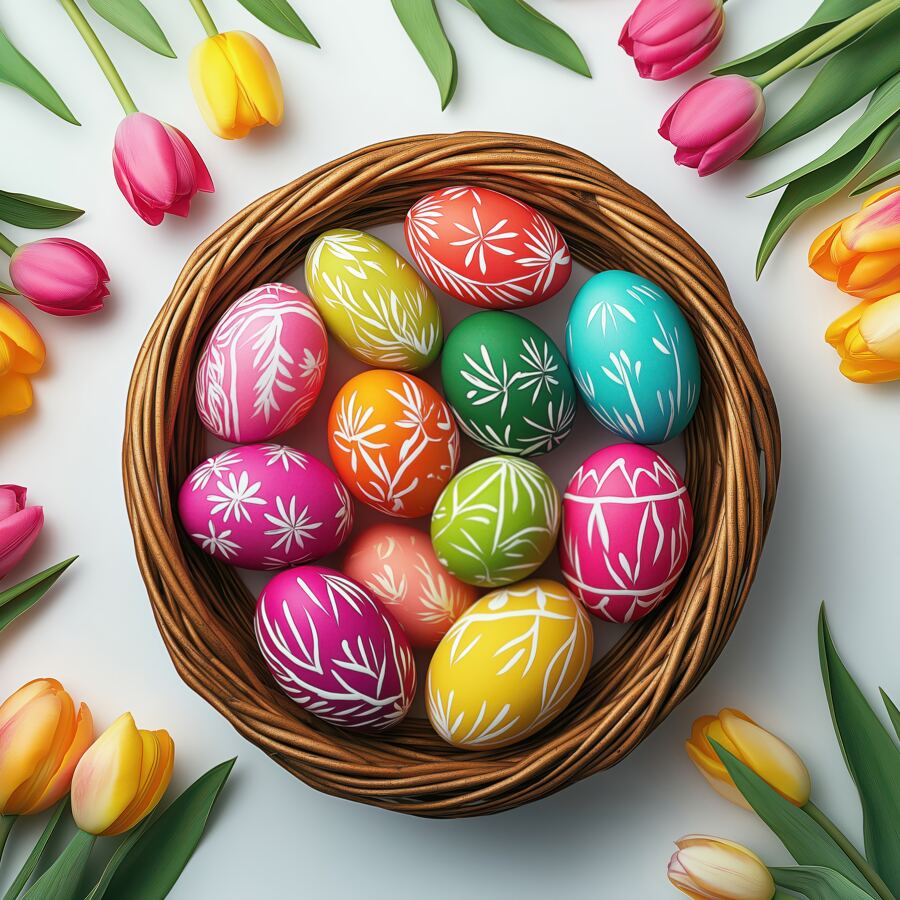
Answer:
(872, 757)
(893, 712)
(422, 23)
(124, 848)
(21, 597)
(17, 71)
(856, 70)
(882, 174)
(27, 211)
(62, 880)
(803, 837)
(155, 862)
(37, 852)
(134, 19)
(523, 26)
(280, 15)
(817, 883)
(8, 289)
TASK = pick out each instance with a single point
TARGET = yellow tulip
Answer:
(867, 338)
(236, 84)
(121, 777)
(21, 355)
(708, 867)
(41, 741)
(768, 756)
(861, 253)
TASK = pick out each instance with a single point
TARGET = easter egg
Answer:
(509, 665)
(398, 565)
(373, 301)
(507, 384)
(633, 357)
(486, 248)
(496, 521)
(265, 506)
(626, 533)
(334, 649)
(263, 365)
(393, 441)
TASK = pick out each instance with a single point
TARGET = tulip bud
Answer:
(867, 338)
(236, 84)
(768, 756)
(21, 355)
(157, 168)
(59, 276)
(715, 122)
(708, 867)
(41, 741)
(121, 777)
(19, 526)
(668, 37)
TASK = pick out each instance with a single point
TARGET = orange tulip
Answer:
(867, 338)
(21, 355)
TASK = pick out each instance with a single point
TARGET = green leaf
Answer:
(882, 174)
(16, 71)
(37, 852)
(135, 20)
(817, 883)
(27, 211)
(804, 838)
(847, 77)
(116, 860)
(21, 597)
(523, 26)
(893, 712)
(8, 289)
(61, 881)
(872, 757)
(829, 13)
(279, 14)
(422, 23)
(155, 862)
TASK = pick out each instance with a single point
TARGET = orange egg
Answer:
(393, 441)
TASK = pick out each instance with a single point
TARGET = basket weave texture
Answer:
(203, 609)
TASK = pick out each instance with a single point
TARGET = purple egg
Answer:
(334, 649)
(265, 506)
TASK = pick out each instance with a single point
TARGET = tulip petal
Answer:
(29, 355)
(879, 328)
(876, 227)
(15, 394)
(12, 499)
(257, 75)
(820, 253)
(144, 151)
(734, 146)
(58, 275)
(17, 533)
(871, 275)
(150, 215)
(203, 180)
(215, 87)
(723, 869)
(24, 740)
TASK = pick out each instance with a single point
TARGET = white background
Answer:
(834, 537)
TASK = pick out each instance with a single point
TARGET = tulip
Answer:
(21, 355)
(41, 741)
(59, 276)
(121, 777)
(19, 526)
(867, 339)
(768, 756)
(668, 37)
(235, 84)
(714, 122)
(708, 867)
(861, 253)
(157, 168)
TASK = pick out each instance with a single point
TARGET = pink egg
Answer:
(626, 531)
(398, 565)
(265, 506)
(334, 649)
(263, 365)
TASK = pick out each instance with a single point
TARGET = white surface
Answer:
(833, 538)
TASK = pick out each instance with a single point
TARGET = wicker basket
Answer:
(204, 611)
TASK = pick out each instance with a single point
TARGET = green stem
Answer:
(100, 54)
(204, 17)
(6, 245)
(6, 824)
(830, 40)
(852, 853)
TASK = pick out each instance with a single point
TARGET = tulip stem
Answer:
(6, 245)
(205, 18)
(851, 852)
(6, 824)
(100, 54)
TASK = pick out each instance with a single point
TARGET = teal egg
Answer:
(633, 357)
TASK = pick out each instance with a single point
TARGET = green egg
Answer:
(508, 384)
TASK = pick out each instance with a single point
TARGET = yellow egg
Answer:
(510, 664)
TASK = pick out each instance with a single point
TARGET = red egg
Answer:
(486, 248)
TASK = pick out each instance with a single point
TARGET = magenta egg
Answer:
(626, 531)
(265, 506)
(333, 648)
(263, 365)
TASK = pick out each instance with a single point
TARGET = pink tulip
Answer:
(19, 526)
(668, 37)
(715, 122)
(59, 276)
(157, 168)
